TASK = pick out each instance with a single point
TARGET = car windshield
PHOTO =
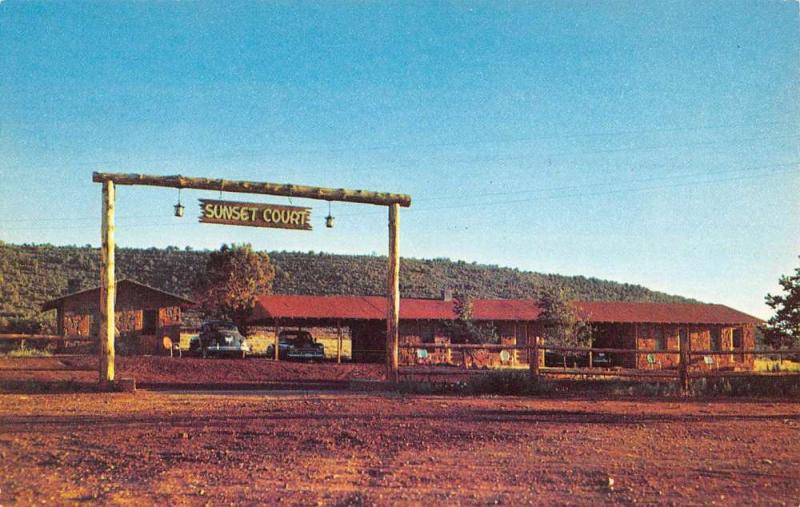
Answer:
(297, 338)
(223, 326)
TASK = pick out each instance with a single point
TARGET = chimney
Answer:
(447, 294)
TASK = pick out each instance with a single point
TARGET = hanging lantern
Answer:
(179, 207)
(329, 219)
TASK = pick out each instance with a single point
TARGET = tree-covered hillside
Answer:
(32, 274)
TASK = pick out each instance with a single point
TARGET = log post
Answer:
(514, 352)
(393, 306)
(338, 342)
(108, 287)
(277, 346)
(683, 366)
(533, 358)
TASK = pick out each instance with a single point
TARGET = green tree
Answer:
(563, 325)
(235, 275)
(464, 329)
(783, 328)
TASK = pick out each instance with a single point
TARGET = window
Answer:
(427, 332)
(149, 322)
(716, 339)
(737, 338)
(660, 339)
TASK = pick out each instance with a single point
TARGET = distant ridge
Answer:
(32, 274)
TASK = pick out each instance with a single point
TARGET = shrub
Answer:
(513, 383)
(356, 499)
(655, 389)
(788, 386)
(28, 352)
(429, 387)
(508, 383)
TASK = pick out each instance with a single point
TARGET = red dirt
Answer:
(184, 372)
(344, 448)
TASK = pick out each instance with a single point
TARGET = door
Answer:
(149, 319)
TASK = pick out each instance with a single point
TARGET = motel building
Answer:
(646, 326)
(145, 315)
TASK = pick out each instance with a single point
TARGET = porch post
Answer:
(338, 341)
(276, 351)
(683, 367)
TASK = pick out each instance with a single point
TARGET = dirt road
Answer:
(361, 449)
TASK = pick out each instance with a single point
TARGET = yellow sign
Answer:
(254, 214)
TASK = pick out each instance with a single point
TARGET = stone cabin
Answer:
(144, 316)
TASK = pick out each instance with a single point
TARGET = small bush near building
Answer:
(781, 387)
(357, 499)
(645, 389)
(774, 365)
(28, 352)
(516, 383)
(510, 383)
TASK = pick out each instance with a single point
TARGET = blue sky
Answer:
(645, 142)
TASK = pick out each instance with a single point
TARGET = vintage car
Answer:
(219, 338)
(297, 346)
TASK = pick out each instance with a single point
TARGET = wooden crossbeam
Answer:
(257, 187)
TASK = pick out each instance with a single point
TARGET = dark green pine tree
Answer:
(783, 329)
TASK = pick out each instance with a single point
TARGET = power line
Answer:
(450, 196)
(760, 169)
(609, 192)
(413, 210)
(473, 142)
(548, 156)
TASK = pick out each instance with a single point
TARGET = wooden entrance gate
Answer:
(108, 281)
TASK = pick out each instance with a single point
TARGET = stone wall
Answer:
(80, 316)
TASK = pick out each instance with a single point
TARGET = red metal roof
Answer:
(347, 307)
(505, 309)
(374, 308)
(666, 313)
(319, 307)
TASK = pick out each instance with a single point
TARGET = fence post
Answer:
(534, 359)
(277, 348)
(339, 342)
(683, 366)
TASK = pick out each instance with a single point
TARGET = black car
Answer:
(219, 338)
(297, 346)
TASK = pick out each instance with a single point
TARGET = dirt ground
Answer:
(186, 372)
(345, 448)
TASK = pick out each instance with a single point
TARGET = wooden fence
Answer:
(682, 373)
